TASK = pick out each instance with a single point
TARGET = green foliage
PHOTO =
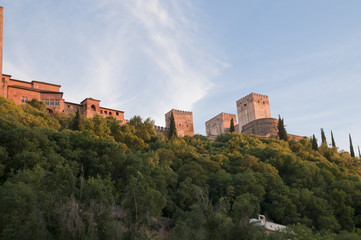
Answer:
(352, 152)
(172, 128)
(77, 123)
(282, 134)
(231, 129)
(314, 143)
(13, 116)
(121, 181)
(323, 137)
(333, 140)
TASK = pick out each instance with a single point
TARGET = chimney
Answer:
(1, 39)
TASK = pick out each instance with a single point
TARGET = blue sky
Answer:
(147, 57)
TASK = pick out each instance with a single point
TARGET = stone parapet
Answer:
(266, 127)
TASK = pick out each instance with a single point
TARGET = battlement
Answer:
(253, 95)
(176, 111)
(161, 129)
(251, 107)
(222, 114)
(183, 121)
(228, 114)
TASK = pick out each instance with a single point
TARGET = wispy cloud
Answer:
(151, 50)
(143, 57)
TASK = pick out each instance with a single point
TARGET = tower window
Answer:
(110, 113)
(117, 113)
(93, 107)
(245, 104)
(3, 80)
(24, 99)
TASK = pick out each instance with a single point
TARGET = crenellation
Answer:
(183, 121)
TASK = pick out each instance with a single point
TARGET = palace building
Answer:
(22, 91)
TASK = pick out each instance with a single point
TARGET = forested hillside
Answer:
(67, 177)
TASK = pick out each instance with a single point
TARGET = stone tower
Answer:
(220, 124)
(183, 122)
(251, 107)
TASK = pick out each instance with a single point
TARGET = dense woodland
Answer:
(68, 177)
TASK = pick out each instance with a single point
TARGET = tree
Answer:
(333, 140)
(359, 153)
(172, 128)
(40, 105)
(314, 143)
(77, 122)
(282, 134)
(323, 137)
(231, 129)
(352, 152)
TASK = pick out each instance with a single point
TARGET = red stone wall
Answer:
(90, 107)
(53, 101)
(17, 95)
(183, 121)
(106, 112)
(72, 107)
(45, 86)
(19, 83)
(4, 85)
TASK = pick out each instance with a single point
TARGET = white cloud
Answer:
(159, 37)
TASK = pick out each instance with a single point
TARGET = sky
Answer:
(146, 57)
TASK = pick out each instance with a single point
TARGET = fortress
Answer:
(254, 115)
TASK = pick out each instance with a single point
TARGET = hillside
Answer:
(112, 181)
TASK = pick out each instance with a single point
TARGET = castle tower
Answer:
(251, 107)
(183, 122)
(90, 107)
(220, 124)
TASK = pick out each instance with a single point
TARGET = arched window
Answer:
(93, 107)
(110, 113)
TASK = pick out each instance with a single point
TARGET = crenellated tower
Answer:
(251, 107)
(183, 121)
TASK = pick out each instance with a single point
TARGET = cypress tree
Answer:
(352, 152)
(77, 122)
(231, 129)
(333, 140)
(359, 153)
(282, 133)
(314, 143)
(172, 128)
(323, 137)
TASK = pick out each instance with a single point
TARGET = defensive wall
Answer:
(265, 127)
